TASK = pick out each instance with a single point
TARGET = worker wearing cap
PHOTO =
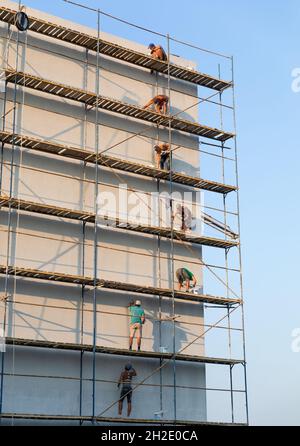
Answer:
(126, 391)
(137, 319)
(157, 52)
(160, 103)
(185, 275)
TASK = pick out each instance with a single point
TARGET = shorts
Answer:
(161, 102)
(135, 329)
(165, 160)
(126, 392)
(182, 275)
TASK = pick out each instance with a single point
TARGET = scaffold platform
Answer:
(116, 51)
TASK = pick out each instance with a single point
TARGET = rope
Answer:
(126, 22)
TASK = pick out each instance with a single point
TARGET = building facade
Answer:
(57, 312)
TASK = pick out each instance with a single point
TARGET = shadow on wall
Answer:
(185, 167)
(130, 100)
(163, 338)
(180, 114)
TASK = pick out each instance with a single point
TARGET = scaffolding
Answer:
(10, 139)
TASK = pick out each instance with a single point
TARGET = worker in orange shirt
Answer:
(162, 156)
(157, 52)
(160, 103)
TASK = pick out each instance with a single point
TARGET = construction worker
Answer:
(182, 218)
(157, 52)
(185, 275)
(137, 319)
(162, 156)
(160, 102)
(126, 391)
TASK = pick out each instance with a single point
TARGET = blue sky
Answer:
(263, 37)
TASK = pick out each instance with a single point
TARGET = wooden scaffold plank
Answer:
(110, 161)
(117, 223)
(116, 51)
(112, 105)
(117, 286)
(120, 352)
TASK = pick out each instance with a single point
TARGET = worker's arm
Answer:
(133, 372)
(120, 379)
(143, 318)
(149, 103)
(194, 281)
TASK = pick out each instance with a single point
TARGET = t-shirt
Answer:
(136, 314)
(189, 273)
(163, 53)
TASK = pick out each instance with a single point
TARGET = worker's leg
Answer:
(179, 279)
(129, 406)
(165, 107)
(131, 335)
(122, 396)
(162, 162)
(139, 337)
(120, 407)
(158, 108)
(158, 160)
(187, 283)
(167, 163)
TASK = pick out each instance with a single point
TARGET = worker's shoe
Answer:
(139, 349)
(130, 348)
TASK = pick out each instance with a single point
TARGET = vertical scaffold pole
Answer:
(159, 265)
(96, 213)
(172, 232)
(226, 256)
(83, 242)
(1, 176)
(9, 211)
(240, 248)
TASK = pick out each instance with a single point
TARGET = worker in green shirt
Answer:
(137, 319)
(185, 275)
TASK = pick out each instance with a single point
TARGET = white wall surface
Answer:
(48, 311)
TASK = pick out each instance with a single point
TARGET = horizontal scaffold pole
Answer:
(114, 106)
(120, 352)
(113, 285)
(115, 223)
(116, 51)
(87, 419)
(54, 148)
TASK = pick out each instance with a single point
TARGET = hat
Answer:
(138, 303)
(151, 45)
(128, 367)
